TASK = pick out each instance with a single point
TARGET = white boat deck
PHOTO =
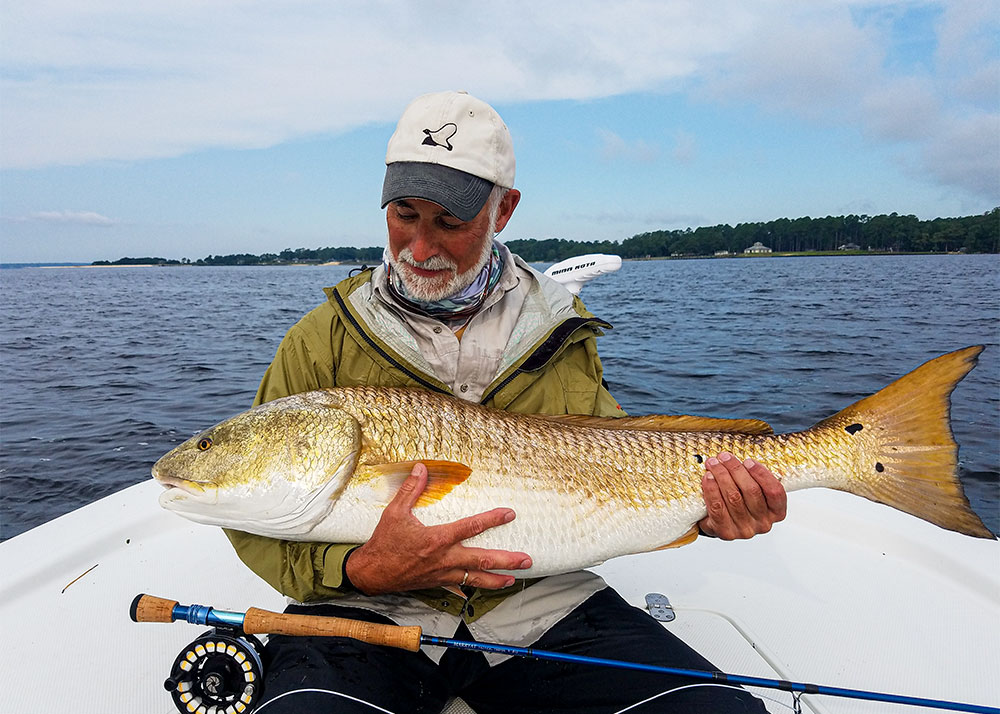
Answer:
(843, 593)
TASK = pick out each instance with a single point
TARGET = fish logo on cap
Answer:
(441, 137)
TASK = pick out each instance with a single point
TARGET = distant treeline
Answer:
(881, 234)
(891, 233)
(299, 255)
(137, 261)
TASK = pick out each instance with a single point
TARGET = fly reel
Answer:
(218, 673)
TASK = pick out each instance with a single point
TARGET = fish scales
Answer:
(321, 466)
(567, 459)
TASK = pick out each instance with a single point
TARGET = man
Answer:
(454, 311)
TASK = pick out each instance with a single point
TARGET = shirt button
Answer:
(471, 610)
(437, 330)
(445, 604)
(464, 388)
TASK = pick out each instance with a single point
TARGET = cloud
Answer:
(100, 80)
(905, 110)
(833, 67)
(809, 61)
(106, 80)
(965, 154)
(615, 148)
(80, 218)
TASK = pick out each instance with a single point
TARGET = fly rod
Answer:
(147, 608)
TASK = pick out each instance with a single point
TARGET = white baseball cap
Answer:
(449, 148)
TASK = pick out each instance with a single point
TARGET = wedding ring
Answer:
(464, 579)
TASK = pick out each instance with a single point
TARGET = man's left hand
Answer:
(743, 498)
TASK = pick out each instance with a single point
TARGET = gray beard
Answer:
(434, 289)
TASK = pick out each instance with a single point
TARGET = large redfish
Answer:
(321, 466)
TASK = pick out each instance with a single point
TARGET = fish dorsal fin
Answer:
(442, 477)
(664, 422)
(690, 537)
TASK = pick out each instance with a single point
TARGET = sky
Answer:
(206, 127)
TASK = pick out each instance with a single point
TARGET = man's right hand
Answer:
(404, 554)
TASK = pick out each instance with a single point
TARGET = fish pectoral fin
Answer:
(664, 422)
(690, 537)
(442, 477)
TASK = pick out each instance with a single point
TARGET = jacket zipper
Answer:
(385, 355)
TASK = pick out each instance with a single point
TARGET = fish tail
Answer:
(904, 453)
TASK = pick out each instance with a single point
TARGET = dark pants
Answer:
(403, 682)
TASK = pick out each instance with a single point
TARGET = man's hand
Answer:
(743, 499)
(404, 554)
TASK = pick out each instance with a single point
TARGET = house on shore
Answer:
(758, 247)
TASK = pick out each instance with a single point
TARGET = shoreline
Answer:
(9, 266)
(810, 254)
(803, 254)
(137, 265)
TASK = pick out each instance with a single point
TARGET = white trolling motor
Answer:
(574, 272)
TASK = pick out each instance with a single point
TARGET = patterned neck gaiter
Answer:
(462, 304)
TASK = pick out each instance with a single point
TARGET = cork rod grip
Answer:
(149, 608)
(264, 622)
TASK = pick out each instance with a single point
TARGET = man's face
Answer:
(433, 252)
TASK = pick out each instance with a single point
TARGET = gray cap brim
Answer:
(462, 195)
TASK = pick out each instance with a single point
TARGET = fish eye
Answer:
(204, 444)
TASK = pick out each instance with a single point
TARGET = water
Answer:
(104, 370)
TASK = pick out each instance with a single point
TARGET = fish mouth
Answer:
(175, 485)
(184, 499)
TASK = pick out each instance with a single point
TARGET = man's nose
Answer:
(423, 245)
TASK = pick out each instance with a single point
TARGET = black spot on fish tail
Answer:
(879, 467)
(698, 458)
(853, 429)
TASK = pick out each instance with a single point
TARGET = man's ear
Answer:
(506, 209)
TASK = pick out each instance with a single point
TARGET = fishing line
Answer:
(376, 707)
(620, 711)
(721, 686)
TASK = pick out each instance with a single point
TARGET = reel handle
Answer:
(149, 608)
(259, 621)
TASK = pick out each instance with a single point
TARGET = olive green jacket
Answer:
(344, 343)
